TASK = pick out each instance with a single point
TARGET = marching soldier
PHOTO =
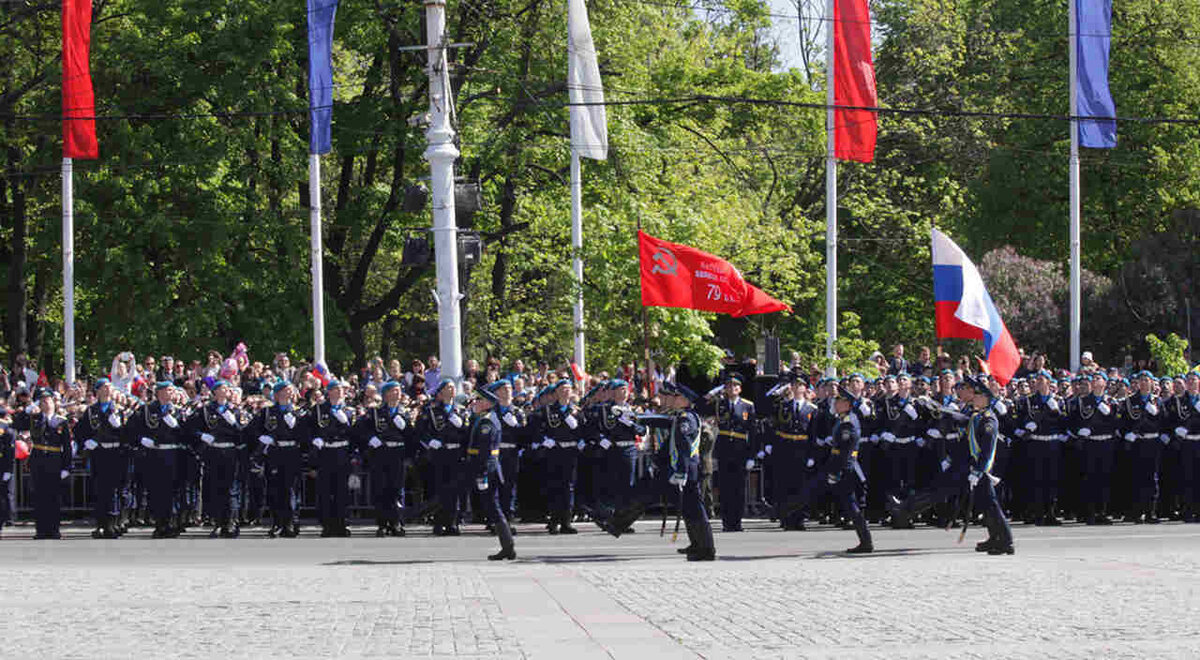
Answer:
(278, 433)
(50, 453)
(591, 475)
(101, 428)
(156, 427)
(329, 429)
(1094, 423)
(1042, 422)
(483, 455)
(557, 424)
(983, 432)
(792, 449)
(734, 450)
(439, 429)
(217, 435)
(382, 435)
(1183, 411)
(620, 429)
(1140, 420)
(901, 437)
(512, 444)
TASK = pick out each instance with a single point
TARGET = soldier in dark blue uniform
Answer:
(1094, 423)
(382, 436)
(50, 454)
(589, 474)
(329, 428)
(156, 428)
(483, 458)
(1042, 424)
(619, 428)
(278, 433)
(983, 432)
(1141, 421)
(217, 434)
(8, 466)
(100, 428)
(734, 450)
(901, 436)
(793, 448)
(512, 420)
(557, 424)
(440, 427)
(1183, 413)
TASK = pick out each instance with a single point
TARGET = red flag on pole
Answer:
(675, 275)
(79, 135)
(854, 81)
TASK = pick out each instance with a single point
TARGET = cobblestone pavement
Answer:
(1072, 592)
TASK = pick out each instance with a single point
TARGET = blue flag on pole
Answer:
(320, 73)
(1094, 25)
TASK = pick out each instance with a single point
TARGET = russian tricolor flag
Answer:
(966, 311)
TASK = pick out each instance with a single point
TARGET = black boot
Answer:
(692, 546)
(702, 539)
(507, 550)
(865, 545)
(564, 524)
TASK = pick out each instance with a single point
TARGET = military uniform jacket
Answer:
(894, 418)
(1048, 423)
(1135, 417)
(95, 424)
(151, 421)
(8, 456)
(682, 445)
(514, 424)
(390, 425)
(735, 425)
(793, 421)
(983, 432)
(1086, 413)
(550, 422)
(847, 434)
(434, 423)
(284, 424)
(1183, 411)
(334, 425)
(619, 424)
(49, 439)
(483, 444)
(220, 421)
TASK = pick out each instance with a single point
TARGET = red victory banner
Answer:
(675, 275)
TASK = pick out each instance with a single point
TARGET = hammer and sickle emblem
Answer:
(664, 262)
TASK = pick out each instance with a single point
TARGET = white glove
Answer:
(1129, 437)
(945, 464)
(147, 443)
(510, 419)
(341, 416)
(678, 479)
(934, 433)
(1164, 438)
(318, 443)
(749, 463)
(572, 423)
(548, 443)
(1180, 431)
(831, 479)
(90, 444)
(1151, 409)
(920, 441)
(481, 484)
(580, 445)
(1030, 426)
(1000, 408)
(266, 439)
(809, 463)
(910, 411)
(973, 479)
(872, 438)
(228, 415)
(114, 420)
(398, 422)
(63, 474)
(207, 438)
(952, 406)
(170, 421)
(1052, 403)
(1196, 405)
(768, 449)
(1103, 408)
(32, 409)
(864, 409)
(1084, 432)
(627, 418)
(375, 442)
(887, 436)
(1020, 433)
(435, 444)
(761, 455)
(455, 420)
(605, 443)
(290, 420)
(6, 476)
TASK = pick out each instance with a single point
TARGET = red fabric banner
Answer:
(675, 275)
(854, 81)
(79, 135)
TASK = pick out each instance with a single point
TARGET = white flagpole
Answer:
(1076, 303)
(830, 199)
(577, 249)
(68, 241)
(318, 296)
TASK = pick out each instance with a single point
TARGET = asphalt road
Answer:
(1069, 592)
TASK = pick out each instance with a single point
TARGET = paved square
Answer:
(1073, 592)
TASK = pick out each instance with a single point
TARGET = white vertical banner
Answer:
(68, 242)
(831, 197)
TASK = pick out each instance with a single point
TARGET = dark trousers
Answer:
(985, 500)
(1097, 472)
(1189, 467)
(285, 467)
(162, 470)
(510, 463)
(220, 475)
(620, 474)
(446, 472)
(47, 493)
(791, 468)
(1044, 457)
(109, 468)
(731, 485)
(843, 493)
(491, 503)
(387, 483)
(902, 464)
(333, 488)
(1146, 455)
(561, 465)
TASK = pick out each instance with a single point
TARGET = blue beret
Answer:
(617, 383)
(219, 383)
(732, 377)
(553, 387)
(496, 385)
(388, 386)
(45, 393)
(1098, 375)
(280, 386)
(889, 377)
(446, 382)
(904, 374)
(101, 382)
(334, 383)
(160, 385)
(923, 379)
(1125, 381)
(946, 372)
(1144, 374)
(487, 395)
(856, 375)
(1044, 373)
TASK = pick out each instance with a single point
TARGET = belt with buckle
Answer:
(1192, 436)
(903, 441)
(48, 448)
(336, 445)
(285, 443)
(1148, 436)
(393, 444)
(951, 436)
(1044, 438)
(222, 445)
(792, 436)
(109, 445)
(838, 452)
(452, 445)
(475, 452)
(1103, 436)
(733, 434)
(508, 445)
(626, 443)
(168, 446)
